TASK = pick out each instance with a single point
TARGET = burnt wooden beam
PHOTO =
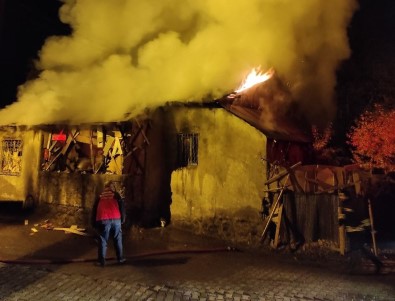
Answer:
(125, 145)
(142, 132)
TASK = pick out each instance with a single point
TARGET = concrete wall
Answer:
(221, 196)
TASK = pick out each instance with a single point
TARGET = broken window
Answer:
(112, 149)
(11, 156)
(187, 149)
(73, 150)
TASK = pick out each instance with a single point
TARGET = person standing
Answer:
(108, 215)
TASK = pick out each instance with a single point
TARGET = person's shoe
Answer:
(121, 261)
(100, 263)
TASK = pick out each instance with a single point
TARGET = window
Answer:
(11, 157)
(187, 149)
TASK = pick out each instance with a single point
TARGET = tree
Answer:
(321, 137)
(373, 138)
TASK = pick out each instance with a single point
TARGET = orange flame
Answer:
(256, 76)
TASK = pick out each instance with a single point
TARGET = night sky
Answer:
(24, 26)
(368, 76)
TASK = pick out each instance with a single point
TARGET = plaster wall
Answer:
(18, 187)
(222, 194)
(75, 189)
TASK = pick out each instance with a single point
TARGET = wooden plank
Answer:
(117, 148)
(91, 150)
(86, 139)
(49, 140)
(339, 187)
(282, 174)
(278, 225)
(272, 212)
(100, 138)
(324, 185)
(108, 145)
(342, 237)
(72, 230)
(294, 181)
(372, 230)
(277, 189)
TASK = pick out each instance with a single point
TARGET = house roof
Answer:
(269, 107)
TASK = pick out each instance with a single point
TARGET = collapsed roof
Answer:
(269, 107)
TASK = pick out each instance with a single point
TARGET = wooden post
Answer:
(372, 231)
(278, 226)
(342, 233)
(342, 228)
(91, 149)
(282, 174)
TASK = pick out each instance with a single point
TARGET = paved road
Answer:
(172, 275)
(191, 276)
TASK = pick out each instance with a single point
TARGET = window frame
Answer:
(7, 159)
(187, 149)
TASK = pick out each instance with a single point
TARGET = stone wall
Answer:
(240, 229)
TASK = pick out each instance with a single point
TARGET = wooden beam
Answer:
(278, 225)
(324, 185)
(91, 149)
(372, 230)
(87, 140)
(273, 210)
(339, 187)
(277, 189)
(142, 132)
(282, 174)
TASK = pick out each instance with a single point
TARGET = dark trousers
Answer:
(107, 228)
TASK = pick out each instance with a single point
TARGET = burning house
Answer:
(210, 166)
(225, 168)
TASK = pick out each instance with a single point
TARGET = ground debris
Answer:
(47, 224)
(72, 229)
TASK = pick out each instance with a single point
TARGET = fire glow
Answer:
(256, 76)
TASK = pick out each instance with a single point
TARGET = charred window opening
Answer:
(187, 144)
(11, 156)
(96, 149)
(76, 150)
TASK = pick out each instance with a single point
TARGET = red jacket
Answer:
(110, 206)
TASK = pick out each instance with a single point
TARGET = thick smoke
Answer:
(128, 55)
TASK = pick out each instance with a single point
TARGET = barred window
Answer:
(187, 145)
(11, 156)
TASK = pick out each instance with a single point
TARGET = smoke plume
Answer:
(128, 55)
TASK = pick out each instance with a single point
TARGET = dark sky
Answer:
(24, 25)
(368, 76)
